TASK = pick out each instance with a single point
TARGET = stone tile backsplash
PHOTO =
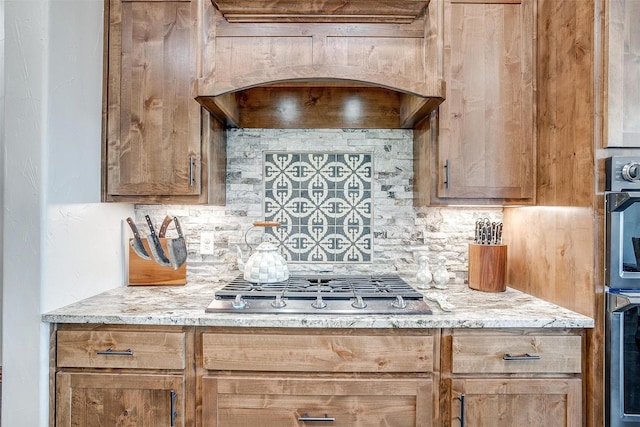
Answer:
(323, 204)
(277, 173)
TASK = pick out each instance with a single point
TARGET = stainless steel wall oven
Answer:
(622, 276)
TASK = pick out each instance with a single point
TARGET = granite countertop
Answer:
(185, 306)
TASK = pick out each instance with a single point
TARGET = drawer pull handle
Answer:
(192, 171)
(173, 408)
(461, 417)
(307, 418)
(525, 356)
(112, 352)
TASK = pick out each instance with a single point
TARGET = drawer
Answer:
(121, 349)
(505, 353)
(317, 353)
(277, 402)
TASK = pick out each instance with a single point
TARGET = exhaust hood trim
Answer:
(331, 103)
(305, 11)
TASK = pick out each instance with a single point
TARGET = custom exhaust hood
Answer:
(322, 64)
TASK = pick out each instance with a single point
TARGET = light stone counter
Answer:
(185, 306)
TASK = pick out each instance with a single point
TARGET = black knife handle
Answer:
(151, 229)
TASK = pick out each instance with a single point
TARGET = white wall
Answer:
(1, 156)
(60, 244)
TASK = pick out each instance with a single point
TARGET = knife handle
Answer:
(133, 227)
(151, 229)
(266, 223)
(164, 226)
(178, 228)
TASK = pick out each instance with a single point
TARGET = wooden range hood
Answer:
(322, 63)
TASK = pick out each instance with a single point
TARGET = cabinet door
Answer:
(94, 399)
(508, 402)
(153, 141)
(485, 129)
(622, 116)
(294, 401)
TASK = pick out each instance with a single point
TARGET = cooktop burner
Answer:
(322, 294)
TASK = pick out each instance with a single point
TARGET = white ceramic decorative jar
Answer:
(440, 274)
(424, 276)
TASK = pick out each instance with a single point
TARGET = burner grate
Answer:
(329, 287)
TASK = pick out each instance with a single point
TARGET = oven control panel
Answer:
(623, 173)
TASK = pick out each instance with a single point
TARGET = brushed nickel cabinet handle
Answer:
(525, 356)
(112, 352)
(446, 173)
(192, 171)
(307, 418)
(173, 408)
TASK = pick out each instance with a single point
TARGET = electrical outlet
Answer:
(206, 243)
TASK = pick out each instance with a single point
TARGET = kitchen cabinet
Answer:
(122, 376)
(622, 74)
(95, 399)
(236, 376)
(348, 378)
(269, 401)
(158, 146)
(483, 147)
(519, 378)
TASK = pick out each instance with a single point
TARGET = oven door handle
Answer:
(525, 356)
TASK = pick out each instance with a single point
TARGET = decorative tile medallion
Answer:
(324, 204)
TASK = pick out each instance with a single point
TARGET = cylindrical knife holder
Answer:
(487, 267)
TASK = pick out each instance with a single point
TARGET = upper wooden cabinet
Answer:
(483, 144)
(622, 74)
(289, 74)
(154, 150)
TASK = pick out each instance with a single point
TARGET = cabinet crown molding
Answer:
(369, 11)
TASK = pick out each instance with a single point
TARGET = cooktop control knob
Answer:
(239, 302)
(631, 171)
(359, 303)
(399, 302)
(279, 302)
(319, 303)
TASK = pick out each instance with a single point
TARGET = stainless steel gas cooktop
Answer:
(321, 294)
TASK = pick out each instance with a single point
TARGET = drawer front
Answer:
(118, 349)
(317, 353)
(488, 353)
(278, 402)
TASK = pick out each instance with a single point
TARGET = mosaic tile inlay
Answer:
(324, 204)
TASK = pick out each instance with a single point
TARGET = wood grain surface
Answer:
(148, 272)
(488, 267)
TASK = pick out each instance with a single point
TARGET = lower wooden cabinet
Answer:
(97, 399)
(350, 378)
(261, 401)
(144, 376)
(506, 378)
(509, 402)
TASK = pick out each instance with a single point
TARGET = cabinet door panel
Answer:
(504, 402)
(485, 135)
(279, 402)
(88, 399)
(622, 120)
(153, 121)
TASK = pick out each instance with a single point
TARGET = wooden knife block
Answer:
(148, 272)
(488, 267)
